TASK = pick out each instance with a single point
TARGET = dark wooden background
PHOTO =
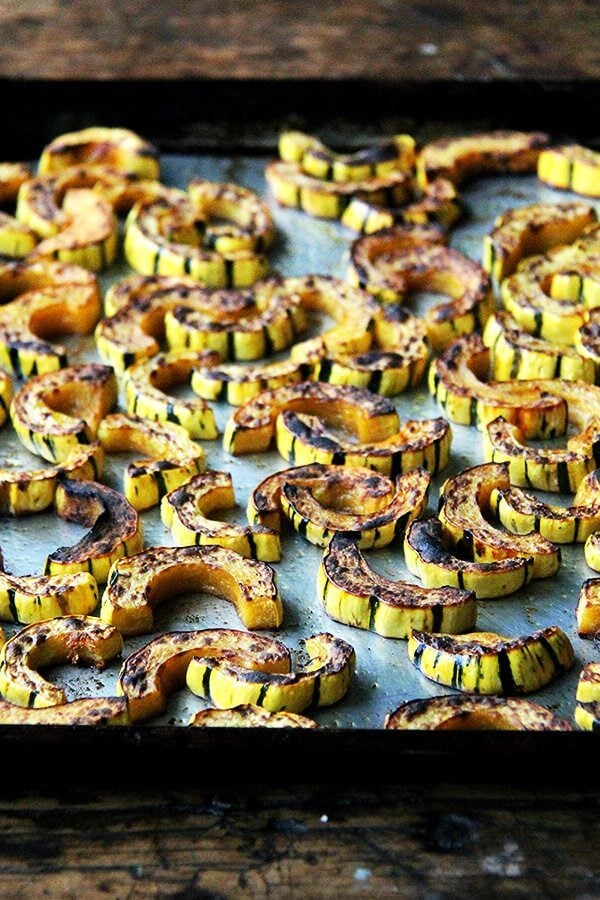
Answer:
(208, 74)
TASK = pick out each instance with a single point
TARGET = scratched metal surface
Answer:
(385, 676)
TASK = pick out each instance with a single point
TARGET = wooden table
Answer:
(426, 837)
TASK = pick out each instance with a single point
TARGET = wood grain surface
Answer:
(421, 840)
(275, 39)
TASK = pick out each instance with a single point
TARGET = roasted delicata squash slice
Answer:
(587, 612)
(323, 681)
(352, 593)
(115, 529)
(17, 240)
(459, 713)
(371, 253)
(391, 274)
(175, 458)
(459, 158)
(134, 327)
(314, 158)
(54, 414)
(516, 354)
(552, 296)
(466, 499)
(339, 503)
(188, 510)
(12, 176)
(587, 710)
(525, 230)
(487, 663)
(522, 513)
(548, 469)
(33, 490)
(119, 148)
(292, 187)
(264, 505)
(20, 276)
(456, 381)
(74, 639)
(237, 383)
(418, 443)
(572, 168)
(6, 395)
(27, 322)
(34, 598)
(438, 204)
(136, 585)
(86, 711)
(88, 235)
(151, 674)
(251, 428)
(182, 233)
(272, 322)
(147, 384)
(248, 715)
(591, 551)
(429, 559)
(587, 341)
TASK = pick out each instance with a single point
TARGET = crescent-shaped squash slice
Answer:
(323, 681)
(54, 414)
(88, 234)
(6, 395)
(147, 383)
(86, 711)
(17, 240)
(32, 490)
(248, 715)
(73, 639)
(587, 612)
(487, 663)
(116, 530)
(525, 230)
(272, 322)
(428, 558)
(438, 204)
(551, 296)
(591, 551)
(587, 340)
(304, 439)
(572, 168)
(539, 467)
(28, 321)
(264, 505)
(251, 428)
(465, 500)
(459, 158)
(391, 274)
(314, 158)
(516, 354)
(175, 457)
(20, 276)
(292, 187)
(187, 512)
(137, 584)
(173, 235)
(459, 713)
(34, 598)
(372, 258)
(151, 674)
(587, 709)
(522, 513)
(339, 503)
(237, 383)
(455, 380)
(119, 148)
(352, 593)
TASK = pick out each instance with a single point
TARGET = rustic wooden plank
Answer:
(418, 39)
(298, 840)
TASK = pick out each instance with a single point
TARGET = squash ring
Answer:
(140, 582)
